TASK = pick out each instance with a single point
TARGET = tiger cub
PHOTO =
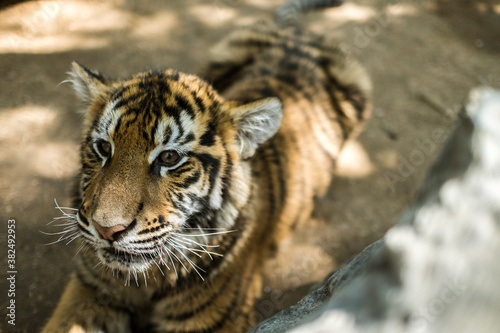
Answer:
(186, 186)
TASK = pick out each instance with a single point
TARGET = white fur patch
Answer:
(107, 125)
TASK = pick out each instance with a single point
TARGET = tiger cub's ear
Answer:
(256, 123)
(87, 84)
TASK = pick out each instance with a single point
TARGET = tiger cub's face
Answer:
(163, 156)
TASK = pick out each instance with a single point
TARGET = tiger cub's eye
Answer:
(169, 157)
(104, 148)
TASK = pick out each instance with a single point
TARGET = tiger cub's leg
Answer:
(82, 309)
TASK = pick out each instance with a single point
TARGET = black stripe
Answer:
(152, 239)
(186, 167)
(174, 76)
(90, 273)
(200, 307)
(183, 283)
(86, 180)
(333, 117)
(81, 278)
(119, 124)
(173, 111)
(257, 42)
(125, 101)
(190, 137)
(267, 92)
(168, 195)
(336, 107)
(224, 75)
(118, 94)
(85, 165)
(83, 219)
(127, 113)
(210, 165)
(203, 218)
(166, 135)
(177, 202)
(174, 200)
(185, 105)
(271, 190)
(198, 101)
(95, 125)
(85, 231)
(226, 178)
(95, 75)
(208, 138)
(352, 93)
(231, 310)
(276, 159)
(84, 272)
(192, 179)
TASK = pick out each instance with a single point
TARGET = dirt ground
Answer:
(423, 56)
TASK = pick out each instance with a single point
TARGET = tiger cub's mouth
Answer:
(123, 260)
(116, 252)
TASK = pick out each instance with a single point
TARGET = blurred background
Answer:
(423, 56)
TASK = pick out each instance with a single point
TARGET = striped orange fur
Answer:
(187, 186)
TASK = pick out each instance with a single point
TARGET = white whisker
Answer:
(70, 230)
(74, 236)
(203, 234)
(186, 248)
(153, 260)
(80, 248)
(193, 265)
(171, 260)
(145, 280)
(193, 250)
(192, 241)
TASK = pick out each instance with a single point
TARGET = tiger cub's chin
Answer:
(116, 259)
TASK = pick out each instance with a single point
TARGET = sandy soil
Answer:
(423, 56)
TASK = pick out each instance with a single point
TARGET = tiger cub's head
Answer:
(163, 155)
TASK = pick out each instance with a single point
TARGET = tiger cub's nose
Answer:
(115, 232)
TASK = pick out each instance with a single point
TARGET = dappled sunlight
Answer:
(351, 12)
(401, 9)
(93, 17)
(26, 139)
(75, 25)
(262, 4)
(25, 123)
(76, 329)
(54, 160)
(55, 26)
(485, 7)
(212, 16)
(49, 44)
(153, 25)
(353, 161)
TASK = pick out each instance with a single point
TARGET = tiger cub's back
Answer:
(326, 98)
